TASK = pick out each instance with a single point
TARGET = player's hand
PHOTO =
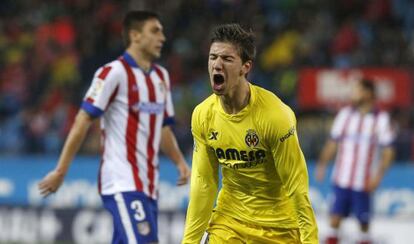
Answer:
(51, 183)
(184, 173)
(320, 172)
(373, 184)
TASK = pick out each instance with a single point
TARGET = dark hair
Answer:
(134, 20)
(233, 33)
(368, 85)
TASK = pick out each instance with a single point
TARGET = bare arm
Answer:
(169, 146)
(327, 154)
(52, 181)
(387, 156)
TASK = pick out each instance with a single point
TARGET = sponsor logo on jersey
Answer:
(291, 132)
(97, 88)
(162, 87)
(234, 154)
(250, 159)
(251, 138)
(148, 107)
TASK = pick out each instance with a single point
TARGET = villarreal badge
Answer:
(143, 228)
(251, 139)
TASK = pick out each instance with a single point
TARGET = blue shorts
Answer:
(346, 201)
(134, 215)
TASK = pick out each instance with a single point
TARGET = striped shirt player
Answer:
(137, 104)
(132, 97)
(134, 105)
(360, 139)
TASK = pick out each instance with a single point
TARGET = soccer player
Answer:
(251, 134)
(363, 136)
(133, 98)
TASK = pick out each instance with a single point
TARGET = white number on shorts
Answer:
(139, 210)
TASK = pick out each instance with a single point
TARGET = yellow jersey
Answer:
(264, 174)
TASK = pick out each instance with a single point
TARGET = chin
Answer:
(218, 92)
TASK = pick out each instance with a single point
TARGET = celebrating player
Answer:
(363, 136)
(132, 96)
(251, 134)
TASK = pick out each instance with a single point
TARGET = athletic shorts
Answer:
(347, 201)
(227, 230)
(134, 217)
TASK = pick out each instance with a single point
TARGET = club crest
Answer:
(144, 228)
(251, 139)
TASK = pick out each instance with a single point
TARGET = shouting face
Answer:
(225, 67)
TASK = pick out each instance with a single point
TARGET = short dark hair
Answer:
(368, 85)
(135, 20)
(233, 33)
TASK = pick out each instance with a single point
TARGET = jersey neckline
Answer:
(242, 113)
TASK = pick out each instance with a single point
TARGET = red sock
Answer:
(332, 240)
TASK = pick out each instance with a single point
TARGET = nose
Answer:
(218, 64)
(163, 38)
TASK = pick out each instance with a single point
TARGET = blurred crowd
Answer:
(50, 49)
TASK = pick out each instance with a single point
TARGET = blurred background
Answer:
(309, 54)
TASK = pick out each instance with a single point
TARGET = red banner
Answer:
(321, 88)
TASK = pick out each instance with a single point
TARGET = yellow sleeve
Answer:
(203, 186)
(291, 167)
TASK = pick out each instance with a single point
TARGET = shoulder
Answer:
(272, 107)
(111, 69)
(161, 70)
(201, 115)
(344, 112)
(160, 67)
(383, 117)
(383, 114)
(204, 110)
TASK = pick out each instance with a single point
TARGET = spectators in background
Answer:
(49, 51)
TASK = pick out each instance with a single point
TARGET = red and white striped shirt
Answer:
(360, 139)
(134, 106)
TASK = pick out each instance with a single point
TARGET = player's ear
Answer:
(246, 67)
(134, 35)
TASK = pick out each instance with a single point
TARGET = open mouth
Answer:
(218, 79)
(218, 82)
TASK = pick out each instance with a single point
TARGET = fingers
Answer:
(45, 192)
(185, 176)
(182, 181)
(46, 188)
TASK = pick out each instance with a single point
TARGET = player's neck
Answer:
(140, 58)
(237, 99)
(365, 107)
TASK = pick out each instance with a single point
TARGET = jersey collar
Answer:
(131, 62)
(245, 111)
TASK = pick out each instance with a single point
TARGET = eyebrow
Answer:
(223, 55)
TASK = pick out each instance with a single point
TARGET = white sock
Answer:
(364, 236)
(332, 232)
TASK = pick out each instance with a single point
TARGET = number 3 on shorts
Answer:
(138, 207)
